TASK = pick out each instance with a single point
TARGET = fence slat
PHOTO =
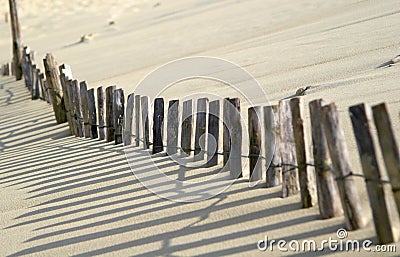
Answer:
(67, 100)
(377, 197)
(172, 127)
(145, 106)
(101, 112)
(138, 120)
(254, 127)
(351, 203)
(226, 139)
(290, 180)
(85, 108)
(235, 156)
(308, 189)
(24, 64)
(78, 109)
(34, 83)
(271, 145)
(201, 126)
(119, 109)
(92, 114)
(110, 135)
(130, 103)
(328, 194)
(389, 148)
(213, 133)
(186, 130)
(16, 38)
(74, 121)
(158, 125)
(38, 92)
(46, 87)
(43, 91)
(53, 82)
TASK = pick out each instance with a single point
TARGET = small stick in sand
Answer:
(390, 63)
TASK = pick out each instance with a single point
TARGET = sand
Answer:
(63, 196)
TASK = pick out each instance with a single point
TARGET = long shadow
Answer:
(66, 161)
(148, 224)
(31, 176)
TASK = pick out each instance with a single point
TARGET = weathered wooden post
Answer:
(119, 113)
(145, 106)
(92, 114)
(101, 112)
(12, 68)
(308, 185)
(32, 57)
(78, 108)
(54, 85)
(351, 203)
(34, 84)
(46, 90)
(43, 93)
(389, 148)
(110, 114)
(138, 121)
(186, 130)
(85, 108)
(172, 127)
(37, 92)
(272, 145)
(16, 39)
(158, 125)
(74, 122)
(290, 180)
(254, 127)
(235, 156)
(213, 132)
(201, 126)
(226, 138)
(65, 75)
(328, 194)
(25, 65)
(377, 197)
(130, 103)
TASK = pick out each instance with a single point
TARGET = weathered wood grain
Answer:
(92, 114)
(360, 118)
(101, 107)
(201, 128)
(54, 85)
(353, 212)
(172, 127)
(158, 125)
(119, 114)
(328, 193)
(389, 148)
(186, 129)
(110, 135)
(213, 133)
(254, 127)
(290, 177)
(271, 145)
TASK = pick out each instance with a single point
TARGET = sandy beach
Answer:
(67, 196)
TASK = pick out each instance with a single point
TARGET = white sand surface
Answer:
(63, 196)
